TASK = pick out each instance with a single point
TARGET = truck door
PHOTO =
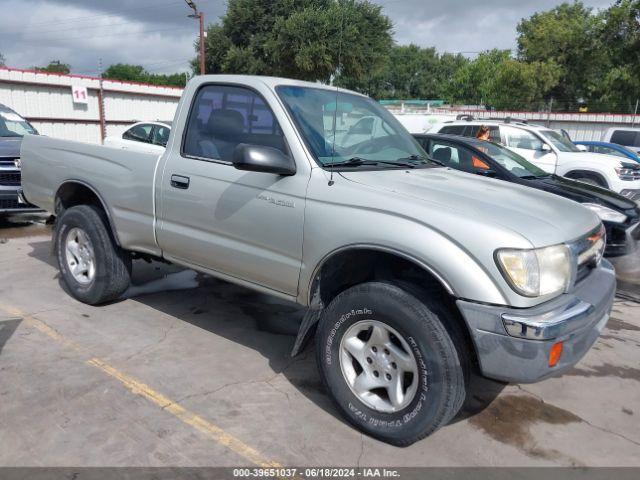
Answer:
(247, 225)
(529, 146)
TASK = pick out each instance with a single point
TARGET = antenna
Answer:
(335, 111)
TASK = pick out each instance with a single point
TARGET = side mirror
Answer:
(582, 148)
(258, 158)
(545, 148)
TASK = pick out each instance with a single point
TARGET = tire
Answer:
(438, 350)
(110, 272)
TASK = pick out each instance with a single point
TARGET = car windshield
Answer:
(350, 130)
(513, 162)
(13, 125)
(559, 141)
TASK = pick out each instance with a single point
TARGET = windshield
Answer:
(350, 130)
(13, 125)
(513, 162)
(559, 141)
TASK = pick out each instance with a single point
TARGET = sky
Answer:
(158, 35)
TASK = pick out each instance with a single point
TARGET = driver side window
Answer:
(518, 138)
(223, 116)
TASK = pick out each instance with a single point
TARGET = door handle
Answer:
(178, 181)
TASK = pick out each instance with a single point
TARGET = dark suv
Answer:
(12, 128)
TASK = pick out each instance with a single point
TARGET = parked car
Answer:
(142, 137)
(620, 216)
(12, 128)
(411, 272)
(552, 152)
(626, 136)
(610, 149)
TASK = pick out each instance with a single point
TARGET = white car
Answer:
(626, 136)
(554, 153)
(149, 137)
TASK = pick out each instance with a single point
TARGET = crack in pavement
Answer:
(151, 345)
(361, 450)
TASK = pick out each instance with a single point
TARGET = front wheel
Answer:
(94, 269)
(390, 363)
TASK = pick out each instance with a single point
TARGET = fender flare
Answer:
(103, 204)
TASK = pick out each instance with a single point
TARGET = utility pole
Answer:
(635, 113)
(200, 17)
(549, 112)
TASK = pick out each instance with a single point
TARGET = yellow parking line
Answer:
(205, 427)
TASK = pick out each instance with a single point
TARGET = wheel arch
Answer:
(580, 173)
(340, 257)
(350, 265)
(77, 192)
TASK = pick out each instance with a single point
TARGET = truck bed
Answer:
(125, 180)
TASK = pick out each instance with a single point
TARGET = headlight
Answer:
(627, 171)
(606, 214)
(536, 272)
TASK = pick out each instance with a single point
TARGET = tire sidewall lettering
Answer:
(336, 327)
(360, 411)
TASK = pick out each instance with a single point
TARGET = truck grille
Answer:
(588, 252)
(631, 194)
(9, 204)
(10, 179)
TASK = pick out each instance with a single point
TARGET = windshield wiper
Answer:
(534, 177)
(422, 159)
(357, 162)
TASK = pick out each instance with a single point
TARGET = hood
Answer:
(540, 217)
(582, 192)
(10, 147)
(600, 157)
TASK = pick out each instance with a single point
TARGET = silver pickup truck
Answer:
(413, 273)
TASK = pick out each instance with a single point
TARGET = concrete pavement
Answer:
(192, 371)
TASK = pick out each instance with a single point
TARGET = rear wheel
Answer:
(390, 363)
(94, 269)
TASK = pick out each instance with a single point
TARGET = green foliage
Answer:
(567, 36)
(569, 54)
(472, 83)
(137, 73)
(619, 36)
(411, 72)
(2, 60)
(305, 39)
(55, 66)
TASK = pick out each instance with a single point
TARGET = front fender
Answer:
(332, 229)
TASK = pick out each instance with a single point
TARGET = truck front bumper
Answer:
(514, 344)
(11, 201)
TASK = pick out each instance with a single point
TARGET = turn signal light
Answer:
(555, 354)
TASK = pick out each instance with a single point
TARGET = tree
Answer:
(55, 66)
(346, 40)
(412, 72)
(2, 60)
(619, 37)
(521, 86)
(126, 72)
(567, 36)
(137, 73)
(471, 83)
